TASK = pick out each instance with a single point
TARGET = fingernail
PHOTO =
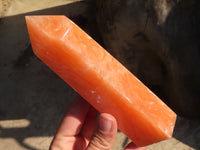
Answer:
(105, 124)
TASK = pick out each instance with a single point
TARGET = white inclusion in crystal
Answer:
(128, 99)
(162, 103)
(98, 98)
(151, 103)
(93, 92)
(57, 29)
(65, 34)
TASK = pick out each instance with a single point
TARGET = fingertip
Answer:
(107, 123)
(105, 133)
(74, 117)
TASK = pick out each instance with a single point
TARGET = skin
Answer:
(81, 129)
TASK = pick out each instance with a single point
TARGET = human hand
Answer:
(81, 130)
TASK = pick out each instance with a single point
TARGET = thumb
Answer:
(104, 135)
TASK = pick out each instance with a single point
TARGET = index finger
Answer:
(74, 118)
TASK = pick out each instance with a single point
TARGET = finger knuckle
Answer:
(100, 143)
